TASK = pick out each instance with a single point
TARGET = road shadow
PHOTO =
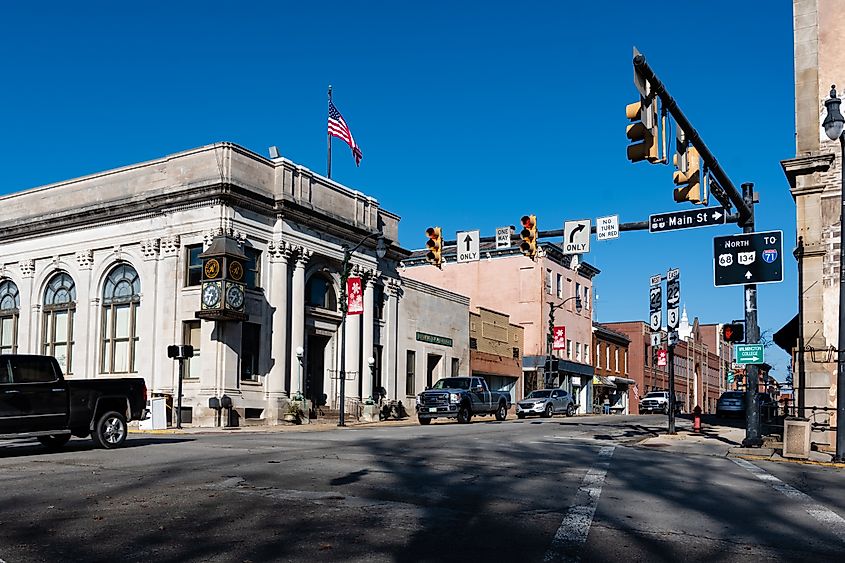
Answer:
(27, 447)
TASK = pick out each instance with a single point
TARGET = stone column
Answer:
(297, 313)
(28, 333)
(279, 254)
(366, 370)
(390, 378)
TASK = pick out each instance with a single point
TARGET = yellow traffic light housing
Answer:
(643, 131)
(434, 246)
(688, 180)
(528, 246)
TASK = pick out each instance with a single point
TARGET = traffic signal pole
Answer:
(671, 359)
(752, 336)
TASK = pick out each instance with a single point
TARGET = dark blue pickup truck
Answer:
(461, 398)
(36, 401)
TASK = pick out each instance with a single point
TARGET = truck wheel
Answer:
(549, 411)
(464, 416)
(54, 442)
(666, 409)
(501, 412)
(570, 410)
(110, 430)
(425, 421)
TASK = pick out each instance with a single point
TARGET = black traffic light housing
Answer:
(733, 332)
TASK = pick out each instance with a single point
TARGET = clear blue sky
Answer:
(469, 114)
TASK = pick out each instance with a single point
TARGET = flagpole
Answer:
(329, 142)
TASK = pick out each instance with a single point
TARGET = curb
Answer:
(786, 460)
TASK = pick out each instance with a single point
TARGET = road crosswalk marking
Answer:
(572, 533)
(824, 515)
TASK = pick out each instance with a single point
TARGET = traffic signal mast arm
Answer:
(635, 226)
(710, 162)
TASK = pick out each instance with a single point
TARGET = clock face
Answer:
(212, 268)
(211, 295)
(235, 296)
(236, 270)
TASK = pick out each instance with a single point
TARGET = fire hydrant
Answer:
(696, 420)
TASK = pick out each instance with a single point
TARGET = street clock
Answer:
(222, 289)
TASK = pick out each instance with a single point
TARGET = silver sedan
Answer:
(546, 402)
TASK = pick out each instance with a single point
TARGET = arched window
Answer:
(57, 330)
(121, 301)
(10, 304)
(319, 292)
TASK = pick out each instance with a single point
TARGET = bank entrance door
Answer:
(315, 369)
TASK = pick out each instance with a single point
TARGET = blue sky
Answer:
(469, 114)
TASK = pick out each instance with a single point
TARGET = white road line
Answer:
(572, 533)
(830, 519)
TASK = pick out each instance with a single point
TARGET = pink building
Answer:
(505, 280)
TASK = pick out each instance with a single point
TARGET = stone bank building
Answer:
(103, 272)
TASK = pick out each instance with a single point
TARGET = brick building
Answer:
(611, 379)
(702, 362)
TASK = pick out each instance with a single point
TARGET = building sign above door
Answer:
(434, 339)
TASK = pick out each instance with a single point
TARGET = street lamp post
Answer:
(381, 251)
(550, 337)
(300, 351)
(834, 125)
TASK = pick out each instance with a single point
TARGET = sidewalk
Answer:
(314, 426)
(726, 441)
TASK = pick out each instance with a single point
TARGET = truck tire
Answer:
(55, 441)
(110, 430)
(665, 409)
(425, 421)
(464, 414)
(549, 411)
(570, 410)
(501, 412)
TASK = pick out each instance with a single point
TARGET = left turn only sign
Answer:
(467, 243)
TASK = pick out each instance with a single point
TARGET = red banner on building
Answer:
(661, 358)
(354, 297)
(559, 342)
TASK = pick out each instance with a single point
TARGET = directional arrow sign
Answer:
(748, 258)
(576, 237)
(690, 219)
(748, 353)
(468, 246)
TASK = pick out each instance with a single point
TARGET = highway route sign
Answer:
(467, 243)
(655, 306)
(689, 219)
(748, 258)
(673, 298)
(576, 237)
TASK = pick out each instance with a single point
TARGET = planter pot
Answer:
(291, 418)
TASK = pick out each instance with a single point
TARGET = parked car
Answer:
(546, 402)
(657, 401)
(36, 401)
(733, 403)
(461, 398)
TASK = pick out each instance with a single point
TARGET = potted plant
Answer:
(294, 413)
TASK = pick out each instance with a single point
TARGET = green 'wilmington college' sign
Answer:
(434, 339)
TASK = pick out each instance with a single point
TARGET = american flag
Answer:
(339, 129)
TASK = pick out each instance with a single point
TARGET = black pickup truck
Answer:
(36, 401)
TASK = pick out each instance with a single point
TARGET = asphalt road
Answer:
(534, 490)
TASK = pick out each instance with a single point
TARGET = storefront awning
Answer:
(622, 380)
(601, 381)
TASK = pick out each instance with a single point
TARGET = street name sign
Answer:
(690, 219)
(748, 258)
(467, 242)
(748, 353)
(673, 298)
(607, 227)
(576, 237)
(503, 237)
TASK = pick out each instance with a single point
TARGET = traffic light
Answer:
(642, 131)
(687, 177)
(528, 246)
(434, 246)
(733, 332)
